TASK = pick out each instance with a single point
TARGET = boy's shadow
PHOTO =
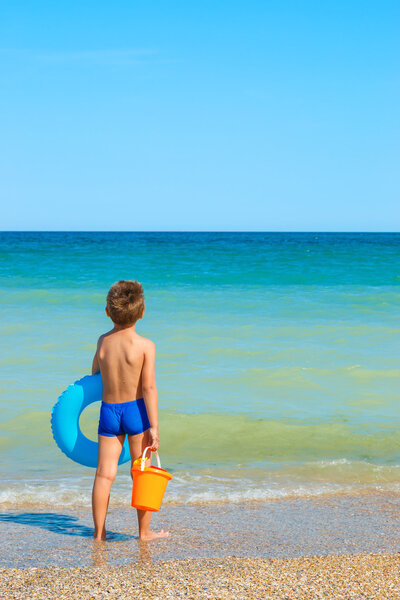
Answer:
(57, 523)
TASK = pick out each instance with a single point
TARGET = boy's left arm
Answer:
(95, 363)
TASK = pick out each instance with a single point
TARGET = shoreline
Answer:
(117, 502)
(280, 529)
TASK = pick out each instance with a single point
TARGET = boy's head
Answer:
(125, 302)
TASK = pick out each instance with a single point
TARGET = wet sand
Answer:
(252, 550)
(364, 523)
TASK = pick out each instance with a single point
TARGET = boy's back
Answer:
(122, 362)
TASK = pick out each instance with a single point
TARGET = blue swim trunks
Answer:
(125, 417)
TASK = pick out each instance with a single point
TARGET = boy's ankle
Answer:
(99, 536)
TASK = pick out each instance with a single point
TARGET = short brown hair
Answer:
(125, 302)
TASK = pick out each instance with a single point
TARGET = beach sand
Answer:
(338, 546)
(308, 578)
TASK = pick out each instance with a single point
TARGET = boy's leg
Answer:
(137, 443)
(109, 452)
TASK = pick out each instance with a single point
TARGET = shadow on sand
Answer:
(57, 523)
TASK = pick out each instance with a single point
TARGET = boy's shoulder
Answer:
(148, 344)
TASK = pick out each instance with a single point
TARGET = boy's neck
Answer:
(122, 327)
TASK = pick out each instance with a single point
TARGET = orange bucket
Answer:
(149, 483)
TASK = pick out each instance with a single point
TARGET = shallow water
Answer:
(278, 359)
(340, 524)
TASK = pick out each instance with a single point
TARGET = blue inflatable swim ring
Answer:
(65, 422)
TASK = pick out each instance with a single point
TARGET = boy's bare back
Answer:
(126, 362)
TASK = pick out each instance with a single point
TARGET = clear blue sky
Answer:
(200, 115)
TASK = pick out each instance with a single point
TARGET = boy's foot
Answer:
(100, 538)
(153, 535)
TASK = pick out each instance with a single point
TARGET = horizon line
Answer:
(196, 231)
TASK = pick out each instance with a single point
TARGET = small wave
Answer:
(53, 496)
(185, 489)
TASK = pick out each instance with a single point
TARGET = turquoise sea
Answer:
(278, 359)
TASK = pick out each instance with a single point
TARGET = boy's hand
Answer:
(154, 441)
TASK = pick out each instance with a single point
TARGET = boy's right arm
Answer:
(150, 392)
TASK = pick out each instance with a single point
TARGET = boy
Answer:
(130, 403)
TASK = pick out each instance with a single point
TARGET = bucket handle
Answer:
(143, 459)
